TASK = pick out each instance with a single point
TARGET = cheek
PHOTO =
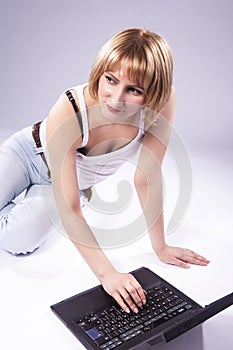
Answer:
(102, 95)
(138, 102)
(103, 90)
(133, 108)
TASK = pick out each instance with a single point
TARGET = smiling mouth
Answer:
(114, 110)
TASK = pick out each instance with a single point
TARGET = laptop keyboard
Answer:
(113, 326)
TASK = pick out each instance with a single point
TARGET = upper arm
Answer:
(156, 140)
(169, 108)
(63, 137)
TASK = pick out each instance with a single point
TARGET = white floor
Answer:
(29, 285)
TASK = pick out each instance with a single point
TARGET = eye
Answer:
(109, 79)
(135, 91)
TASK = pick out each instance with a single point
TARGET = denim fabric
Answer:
(27, 221)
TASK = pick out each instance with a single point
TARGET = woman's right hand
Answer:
(125, 289)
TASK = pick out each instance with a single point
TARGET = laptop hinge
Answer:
(199, 317)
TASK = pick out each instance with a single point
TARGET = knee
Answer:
(25, 227)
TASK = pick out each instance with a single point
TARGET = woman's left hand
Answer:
(181, 257)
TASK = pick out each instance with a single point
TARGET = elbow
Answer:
(149, 188)
(145, 180)
(70, 213)
(140, 181)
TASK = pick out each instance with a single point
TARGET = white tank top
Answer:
(93, 169)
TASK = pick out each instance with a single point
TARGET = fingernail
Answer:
(135, 310)
(139, 304)
(144, 301)
(127, 310)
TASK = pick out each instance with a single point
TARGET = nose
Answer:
(118, 97)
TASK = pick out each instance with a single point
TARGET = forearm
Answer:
(96, 260)
(151, 202)
(157, 235)
(83, 239)
(151, 199)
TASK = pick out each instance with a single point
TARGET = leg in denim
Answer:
(27, 223)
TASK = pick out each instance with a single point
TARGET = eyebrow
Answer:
(131, 85)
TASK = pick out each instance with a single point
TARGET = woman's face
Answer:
(119, 97)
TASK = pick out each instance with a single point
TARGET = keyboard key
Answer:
(111, 327)
(94, 334)
(126, 334)
(102, 340)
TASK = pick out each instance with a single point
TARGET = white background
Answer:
(47, 46)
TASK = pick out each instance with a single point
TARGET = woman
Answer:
(130, 83)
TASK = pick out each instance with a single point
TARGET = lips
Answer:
(114, 110)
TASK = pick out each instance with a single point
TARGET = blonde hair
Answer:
(149, 60)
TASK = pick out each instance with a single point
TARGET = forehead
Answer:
(120, 70)
(125, 70)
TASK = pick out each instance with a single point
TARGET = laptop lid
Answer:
(72, 310)
(194, 319)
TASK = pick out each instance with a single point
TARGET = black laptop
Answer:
(99, 323)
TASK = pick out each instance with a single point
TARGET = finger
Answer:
(197, 259)
(128, 300)
(180, 263)
(185, 260)
(198, 256)
(121, 302)
(202, 259)
(137, 292)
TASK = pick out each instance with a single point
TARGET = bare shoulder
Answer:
(156, 138)
(62, 120)
(169, 107)
(166, 115)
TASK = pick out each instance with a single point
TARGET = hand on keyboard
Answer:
(126, 290)
(111, 327)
